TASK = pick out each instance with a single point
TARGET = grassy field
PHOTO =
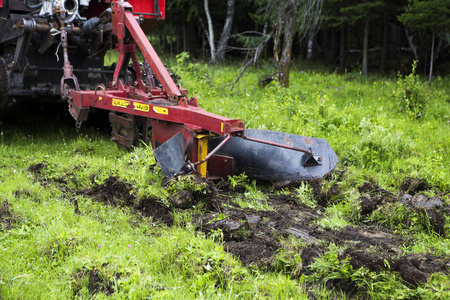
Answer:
(82, 219)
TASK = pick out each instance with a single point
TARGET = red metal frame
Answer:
(188, 114)
(147, 8)
(169, 109)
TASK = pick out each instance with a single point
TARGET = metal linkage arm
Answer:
(124, 18)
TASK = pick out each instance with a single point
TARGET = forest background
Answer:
(344, 35)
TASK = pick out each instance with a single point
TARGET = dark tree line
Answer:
(367, 35)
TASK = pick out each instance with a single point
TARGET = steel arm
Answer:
(150, 55)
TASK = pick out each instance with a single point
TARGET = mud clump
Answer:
(432, 209)
(253, 252)
(187, 191)
(413, 186)
(37, 168)
(150, 207)
(437, 220)
(112, 192)
(416, 268)
(117, 193)
(232, 230)
(95, 283)
(369, 204)
(6, 216)
(98, 284)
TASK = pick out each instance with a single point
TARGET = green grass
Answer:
(358, 115)
(48, 251)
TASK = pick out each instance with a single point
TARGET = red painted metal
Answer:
(220, 166)
(168, 110)
(189, 114)
(148, 9)
(151, 56)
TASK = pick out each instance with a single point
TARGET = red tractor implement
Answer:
(143, 96)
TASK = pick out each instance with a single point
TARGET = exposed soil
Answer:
(151, 207)
(117, 193)
(112, 192)
(96, 281)
(255, 237)
(6, 216)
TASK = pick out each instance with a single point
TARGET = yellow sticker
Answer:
(221, 127)
(100, 98)
(141, 106)
(160, 110)
(120, 103)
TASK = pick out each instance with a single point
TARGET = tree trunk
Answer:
(309, 53)
(184, 37)
(343, 48)
(210, 32)
(289, 30)
(384, 53)
(276, 41)
(432, 57)
(365, 68)
(225, 36)
(411, 44)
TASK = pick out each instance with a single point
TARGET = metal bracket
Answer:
(27, 29)
(310, 160)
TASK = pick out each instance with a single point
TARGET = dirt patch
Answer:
(151, 207)
(6, 216)
(117, 193)
(96, 282)
(37, 168)
(112, 192)
(413, 186)
(257, 237)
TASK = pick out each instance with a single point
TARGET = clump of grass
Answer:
(304, 195)
(288, 258)
(252, 196)
(378, 285)
(397, 216)
(342, 214)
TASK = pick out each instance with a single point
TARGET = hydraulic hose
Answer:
(29, 6)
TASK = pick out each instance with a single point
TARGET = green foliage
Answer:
(429, 15)
(187, 183)
(378, 285)
(396, 215)
(253, 197)
(185, 65)
(410, 93)
(304, 195)
(376, 147)
(288, 258)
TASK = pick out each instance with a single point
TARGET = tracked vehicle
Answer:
(55, 49)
